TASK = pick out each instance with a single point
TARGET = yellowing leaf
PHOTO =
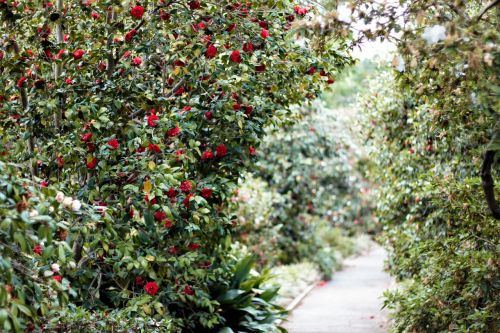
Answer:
(146, 308)
(152, 165)
(147, 186)
(150, 258)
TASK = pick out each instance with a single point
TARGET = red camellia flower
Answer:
(260, 68)
(168, 223)
(236, 106)
(194, 246)
(178, 63)
(60, 53)
(248, 110)
(231, 27)
(187, 108)
(20, 82)
(172, 250)
(57, 278)
(235, 57)
(300, 10)
(252, 150)
(195, 4)
(151, 288)
(186, 186)
(174, 131)
(180, 152)
(206, 193)
(152, 119)
(60, 161)
(95, 15)
(78, 54)
(171, 193)
(264, 33)
(187, 200)
(91, 147)
(151, 202)
(160, 216)
(137, 12)
(137, 61)
(211, 51)
(154, 148)
(248, 47)
(188, 290)
(209, 115)
(38, 249)
(129, 35)
(44, 183)
(139, 281)
(164, 16)
(92, 163)
(221, 150)
(113, 144)
(86, 137)
(207, 155)
(179, 91)
(68, 81)
(311, 71)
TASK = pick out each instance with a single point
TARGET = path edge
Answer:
(296, 301)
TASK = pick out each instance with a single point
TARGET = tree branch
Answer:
(25, 105)
(58, 66)
(490, 5)
(489, 183)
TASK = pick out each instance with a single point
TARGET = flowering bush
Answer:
(146, 113)
(36, 260)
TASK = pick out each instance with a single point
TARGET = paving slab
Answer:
(350, 303)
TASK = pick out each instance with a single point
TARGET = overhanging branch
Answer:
(489, 183)
(490, 5)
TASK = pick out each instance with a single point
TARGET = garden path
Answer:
(350, 303)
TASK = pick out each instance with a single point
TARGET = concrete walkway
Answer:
(350, 303)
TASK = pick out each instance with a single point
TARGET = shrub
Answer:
(429, 129)
(146, 113)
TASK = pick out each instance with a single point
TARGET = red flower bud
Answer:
(78, 54)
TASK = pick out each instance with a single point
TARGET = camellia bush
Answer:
(145, 113)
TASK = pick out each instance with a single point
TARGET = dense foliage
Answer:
(430, 128)
(146, 113)
(305, 183)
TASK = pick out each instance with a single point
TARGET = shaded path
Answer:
(349, 303)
